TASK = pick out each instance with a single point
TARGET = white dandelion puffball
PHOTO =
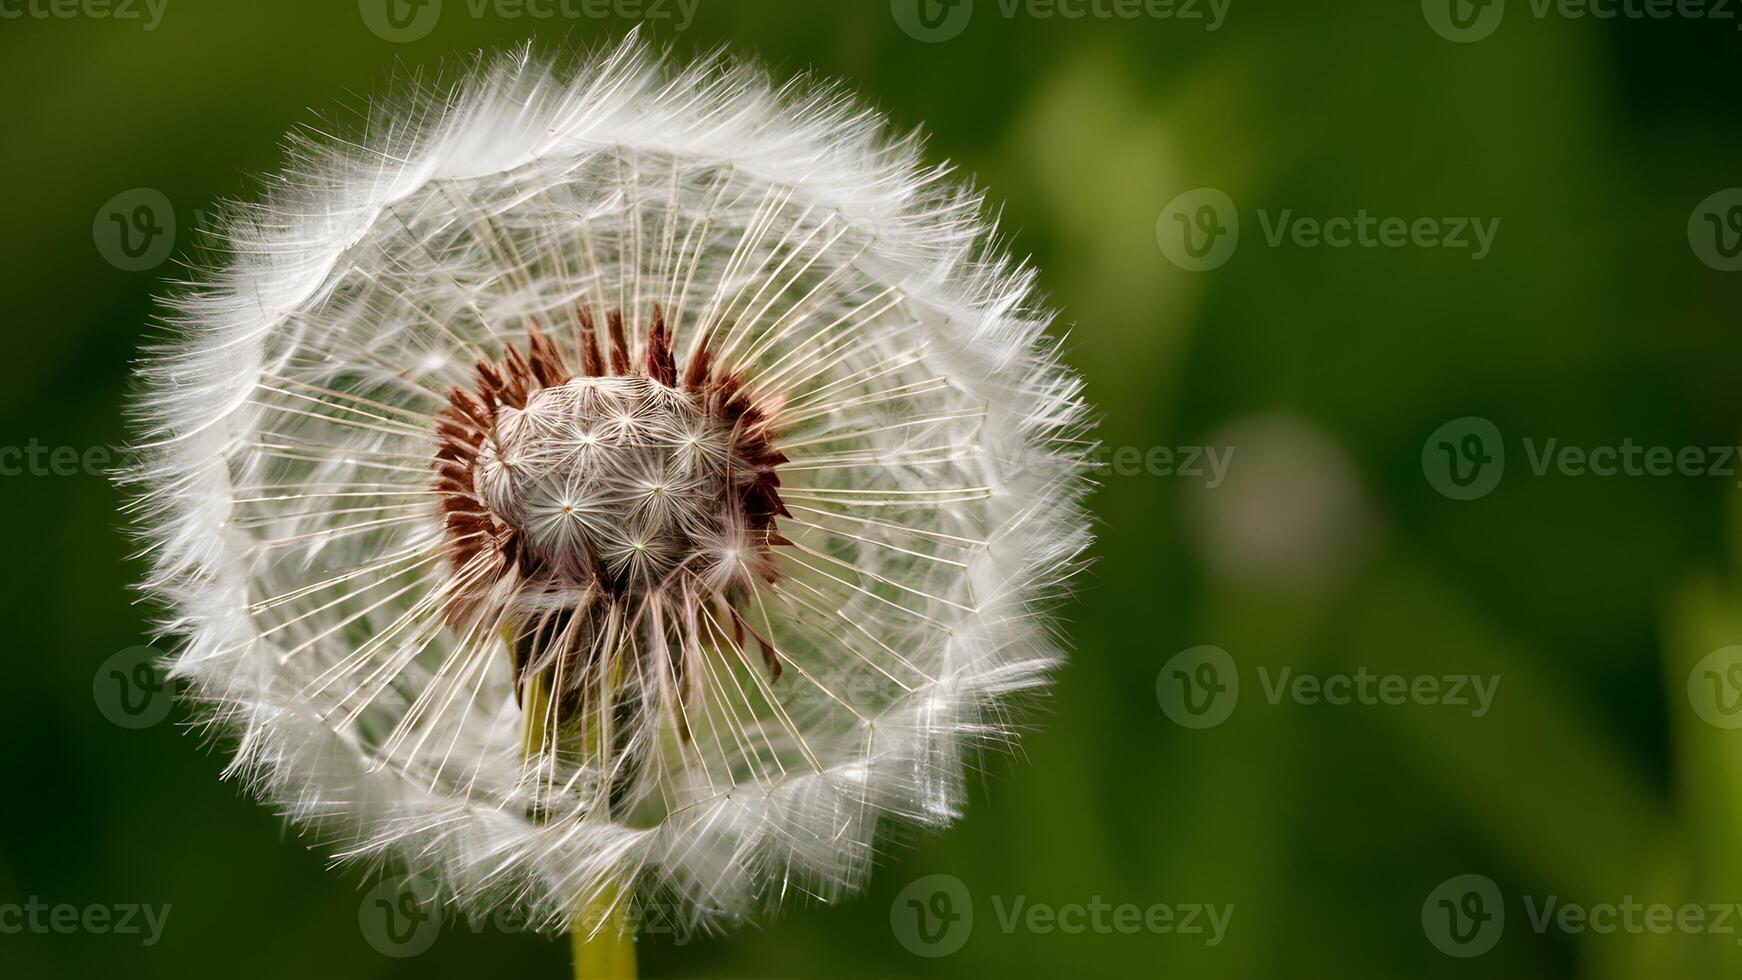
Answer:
(591, 477)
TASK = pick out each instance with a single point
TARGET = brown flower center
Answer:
(625, 485)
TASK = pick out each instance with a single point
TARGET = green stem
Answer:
(602, 938)
(603, 941)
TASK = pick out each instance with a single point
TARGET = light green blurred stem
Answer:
(602, 939)
(606, 952)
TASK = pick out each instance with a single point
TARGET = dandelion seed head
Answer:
(558, 488)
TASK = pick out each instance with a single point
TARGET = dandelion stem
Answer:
(535, 702)
(602, 938)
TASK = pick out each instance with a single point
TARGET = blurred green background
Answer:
(1327, 547)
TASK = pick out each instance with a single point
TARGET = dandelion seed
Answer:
(547, 464)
